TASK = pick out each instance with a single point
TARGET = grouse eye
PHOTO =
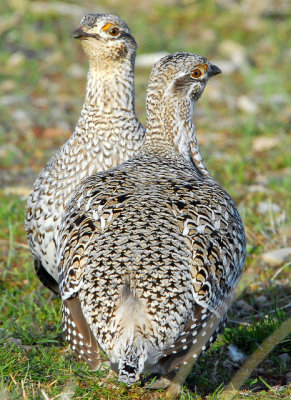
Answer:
(196, 73)
(114, 31)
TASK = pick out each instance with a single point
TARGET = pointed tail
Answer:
(131, 364)
(132, 345)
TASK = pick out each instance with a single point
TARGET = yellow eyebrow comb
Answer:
(107, 26)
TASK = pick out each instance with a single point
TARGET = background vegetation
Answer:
(243, 125)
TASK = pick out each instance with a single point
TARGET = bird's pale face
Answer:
(105, 37)
(185, 74)
(193, 82)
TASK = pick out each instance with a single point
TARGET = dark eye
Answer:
(196, 73)
(114, 31)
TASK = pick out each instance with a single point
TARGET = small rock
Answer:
(208, 35)
(10, 99)
(147, 60)
(21, 118)
(41, 102)
(20, 115)
(260, 300)
(266, 206)
(284, 357)
(13, 342)
(65, 127)
(7, 23)
(52, 133)
(16, 60)
(244, 103)
(227, 67)
(263, 143)
(261, 79)
(214, 94)
(288, 378)
(235, 354)
(9, 149)
(262, 179)
(278, 99)
(277, 257)
(244, 305)
(76, 71)
(235, 51)
(8, 86)
(59, 8)
(21, 191)
(260, 371)
(258, 189)
(281, 218)
(285, 231)
(48, 38)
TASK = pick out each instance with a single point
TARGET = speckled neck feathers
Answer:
(110, 87)
(107, 133)
(170, 128)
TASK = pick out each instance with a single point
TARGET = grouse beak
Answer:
(213, 70)
(79, 34)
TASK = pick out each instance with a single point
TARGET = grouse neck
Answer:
(170, 129)
(110, 89)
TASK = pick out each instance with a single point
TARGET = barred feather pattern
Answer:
(79, 335)
(153, 249)
(107, 133)
(182, 253)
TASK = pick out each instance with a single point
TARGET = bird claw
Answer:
(161, 383)
(104, 365)
(173, 391)
(109, 378)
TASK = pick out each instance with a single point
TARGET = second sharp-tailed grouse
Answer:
(106, 134)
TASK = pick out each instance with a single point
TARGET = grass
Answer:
(42, 82)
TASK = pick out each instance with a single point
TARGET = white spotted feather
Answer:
(107, 133)
(156, 257)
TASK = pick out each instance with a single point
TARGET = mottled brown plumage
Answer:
(106, 134)
(153, 249)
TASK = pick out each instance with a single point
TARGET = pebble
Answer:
(9, 22)
(21, 119)
(285, 231)
(21, 191)
(13, 342)
(235, 354)
(147, 60)
(244, 305)
(278, 99)
(76, 71)
(277, 257)
(48, 39)
(235, 52)
(284, 357)
(266, 207)
(263, 143)
(59, 8)
(262, 179)
(16, 60)
(260, 300)
(227, 67)
(6, 150)
(10, 99)
(246, 104)
(8, 85)
(258, 189)
(41, 102)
